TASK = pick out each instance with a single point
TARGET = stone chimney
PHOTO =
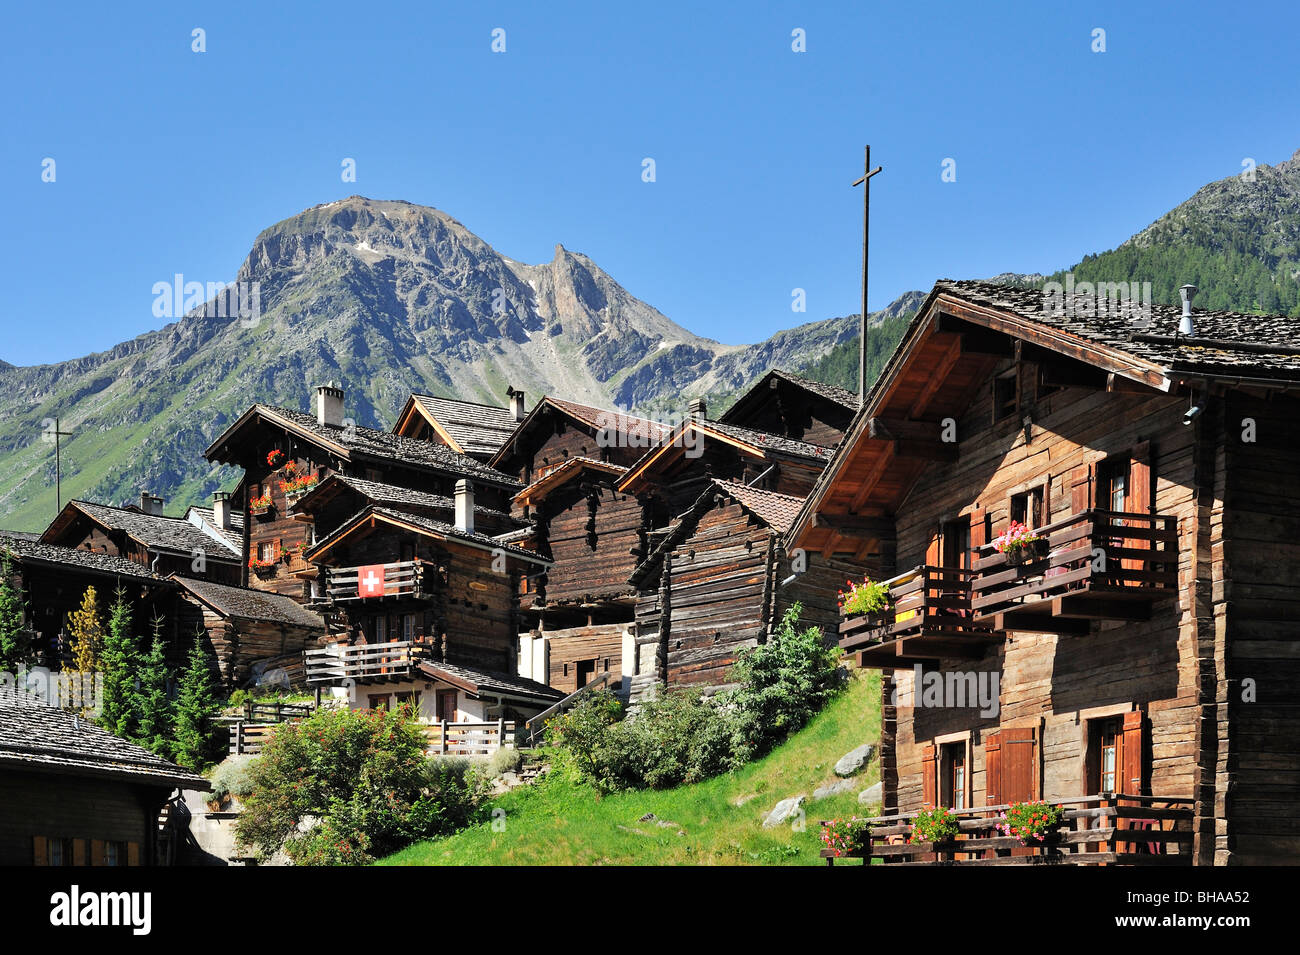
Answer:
(221, 510)
(329, 405)
(465, 506)
(1186, 324)
(516, 403)
(699, 410)
(150, 504)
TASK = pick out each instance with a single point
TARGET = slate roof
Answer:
(420, 521)
(249, 604)
(491, 682)
(41, 737)
(153, 531)
(602, 418)
(777, 511)
(235, 535)
(1226, 344)
(391, 495)
(841, 396)
(562, 472)
(475, 427)
(383, 446)
(773, 442)
(26, 549)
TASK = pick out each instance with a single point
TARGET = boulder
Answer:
(872, 796)
(834, 789)
(851, 764)
(783, 811)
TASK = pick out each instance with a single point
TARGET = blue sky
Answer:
(172, 161)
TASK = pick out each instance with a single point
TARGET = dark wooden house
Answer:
(74, 794)
(794, 407)
(1140, 657)
(285, 454)
(145, 536)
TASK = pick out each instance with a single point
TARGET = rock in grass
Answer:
(871, 796)
(783, 811)
(834, 789)
(851, 764)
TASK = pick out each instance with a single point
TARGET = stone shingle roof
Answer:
(391, 495)
(249, 604)
(492, 682)
(25, 549)
(476, 428)
(602, 418)
(422, 522)
(1226, 344)
(773, 442)
(562, 472)
(41, 737)
(235, 535)
(777, 511)
(386, 446)
(153, 531)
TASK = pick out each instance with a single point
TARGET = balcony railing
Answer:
(1106, 829)
(337, 663)
(1092, 565)
(468, 739)
(400, 579)
(930, 617)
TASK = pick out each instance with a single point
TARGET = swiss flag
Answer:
(370, 580)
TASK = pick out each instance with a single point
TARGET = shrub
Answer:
(362, 778)
(504, 760)
(583, 730)
(231, 779)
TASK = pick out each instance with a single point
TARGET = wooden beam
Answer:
(857, 525)
(926, 450)
(1098, 608)
(975, 339)
(900, 429)
(1040, 623)
(937, 377)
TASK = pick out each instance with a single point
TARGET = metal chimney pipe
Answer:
(1186, 325)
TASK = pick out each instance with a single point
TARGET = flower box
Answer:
(1027, 553)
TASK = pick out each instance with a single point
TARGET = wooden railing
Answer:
(401, 579)
(276, 712)
(929, 601)
(250, 738)
(468, 739)
(1107, 829)
(537, 724)
(337, 663)
(1106, 554)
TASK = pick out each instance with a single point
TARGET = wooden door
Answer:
(446, 701)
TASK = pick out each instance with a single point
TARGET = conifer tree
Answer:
(86, 636)
(119, 660)
(197, 709)
(153, 709)
(16, 651)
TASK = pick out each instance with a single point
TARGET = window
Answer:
(266, 551)
(1104, 749)
(952, 758)
(1042, 386)
(1006, 394)
(956, 543)
(61, 852)
(1027, 507)
(114, 853)
(378, 701)
(380, 629)
(1113, 485)
(408, 626)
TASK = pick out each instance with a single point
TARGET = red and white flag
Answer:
(370, 581)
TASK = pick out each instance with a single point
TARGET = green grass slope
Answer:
(559, 821)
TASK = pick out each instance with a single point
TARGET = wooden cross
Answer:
(865, 182)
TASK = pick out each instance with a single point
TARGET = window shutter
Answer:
(993, 769)
(1141, 474)
(40, 850)
(932, 552)
(979, 534)
(1019, 765)
(1131, 781)
(929, 776)
(1080, 488)
(133, 853)
(98, 855)
(78, 851)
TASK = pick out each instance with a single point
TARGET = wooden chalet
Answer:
(53, 580)
(145, 536)
(285, 454)
(577, 612)
(1143, 650)
(468, 427)
(721, 580)
(74, 794)
(795, 407)
(424, 600)
(247, 627)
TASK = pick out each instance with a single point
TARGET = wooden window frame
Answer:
(1085, 720)
(964, 739)
(999, 380)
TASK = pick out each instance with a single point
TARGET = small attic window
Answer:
(1006, 395)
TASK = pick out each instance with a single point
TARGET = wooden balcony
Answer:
(1107, 829)
(930, 618)
(400, 579)
(374, 662)
(1094, 565)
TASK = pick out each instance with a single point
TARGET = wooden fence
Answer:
(468, 739)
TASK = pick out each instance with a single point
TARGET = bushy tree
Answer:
(86, 633)
(119, 660)
(360, 775)
(195, 736)
(16, 650)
